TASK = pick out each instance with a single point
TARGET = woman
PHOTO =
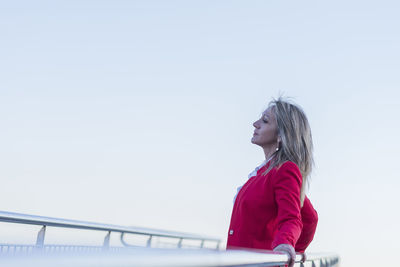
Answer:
(271, 210)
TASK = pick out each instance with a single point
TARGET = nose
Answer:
(255, 124)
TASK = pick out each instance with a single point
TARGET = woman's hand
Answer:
(288, 249)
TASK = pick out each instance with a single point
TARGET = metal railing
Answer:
(45, 222)
(146, 257)
(41, 254)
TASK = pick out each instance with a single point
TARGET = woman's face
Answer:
(266, 130)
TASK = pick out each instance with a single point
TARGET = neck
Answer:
(268, 152)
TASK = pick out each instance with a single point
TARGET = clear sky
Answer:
(140, 112)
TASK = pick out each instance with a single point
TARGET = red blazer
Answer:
(267, 211)
(309, 217)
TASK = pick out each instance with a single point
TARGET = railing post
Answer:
(106, 243)
(202, 243)
(40, 237)
(180, 243)
(121, 238)
(149, 241)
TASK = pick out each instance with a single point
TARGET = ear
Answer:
(279, 139)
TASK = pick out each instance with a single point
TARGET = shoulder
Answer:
(288, 170)
(288, 166)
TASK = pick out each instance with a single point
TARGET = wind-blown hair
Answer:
(296, 140)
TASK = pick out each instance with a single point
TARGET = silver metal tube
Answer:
(12, 217)
(106, 243)
(40, 237)
(146, 257)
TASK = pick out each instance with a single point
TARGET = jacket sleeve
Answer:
(309, 217)
(287, 188)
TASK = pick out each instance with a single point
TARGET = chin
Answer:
(255, 142)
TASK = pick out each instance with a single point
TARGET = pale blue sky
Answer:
(140, 112)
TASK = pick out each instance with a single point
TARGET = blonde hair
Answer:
(296, 140)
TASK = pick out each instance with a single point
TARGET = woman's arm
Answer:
(287, 186)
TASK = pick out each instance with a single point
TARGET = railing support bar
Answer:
(106, 243)
(40, 237)
(149, 241)
(180, 243)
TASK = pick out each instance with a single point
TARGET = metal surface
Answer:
(40, 237)
(56, 222)
(162, 257)
(12, 217)
(106, 243)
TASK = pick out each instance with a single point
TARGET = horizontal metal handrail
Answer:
(56, 222)
(20, 218)
(169, 257)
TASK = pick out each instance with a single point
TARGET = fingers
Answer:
(288, 249)
(292, 255)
